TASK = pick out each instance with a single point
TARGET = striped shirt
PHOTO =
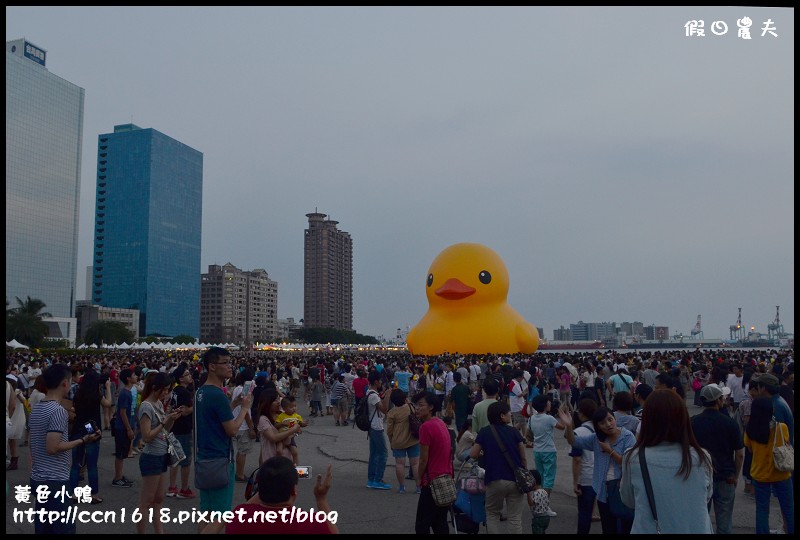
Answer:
(338, 391)
(46, 417)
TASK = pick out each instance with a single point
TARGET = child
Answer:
(316, 397)
(539, 501)
(285, 420)
(541, 425)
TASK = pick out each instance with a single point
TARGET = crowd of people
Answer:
(495, 412)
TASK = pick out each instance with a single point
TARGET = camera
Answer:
(303, 472)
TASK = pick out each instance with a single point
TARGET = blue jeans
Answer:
(52, 503)
(92, 452)
(783, 492)
(585, 508)
(722, 499)
(378, 454)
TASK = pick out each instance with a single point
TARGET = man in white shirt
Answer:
(734, 382)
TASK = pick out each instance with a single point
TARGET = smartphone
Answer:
(303, 472)
(248, 388)
(89, 428)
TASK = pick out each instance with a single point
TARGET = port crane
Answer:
(737, 330)
(775, 329)
(697, 331)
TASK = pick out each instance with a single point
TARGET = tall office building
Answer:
(147, 229)
(328, 284)
(237, 306)
(44, 133)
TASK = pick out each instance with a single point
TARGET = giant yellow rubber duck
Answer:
(467, 289)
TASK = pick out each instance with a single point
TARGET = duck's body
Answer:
(467, 289)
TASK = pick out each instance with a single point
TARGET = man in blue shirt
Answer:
(401, 378)
(216, 426)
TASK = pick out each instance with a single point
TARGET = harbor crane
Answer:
(697, 331)
(775, 329)
(737, 330)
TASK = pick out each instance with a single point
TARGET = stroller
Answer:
(469, 510)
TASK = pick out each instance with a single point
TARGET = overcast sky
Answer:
(623, 171)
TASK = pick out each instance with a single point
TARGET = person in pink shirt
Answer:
(435, 460)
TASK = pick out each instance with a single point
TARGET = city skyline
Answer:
(623, 170)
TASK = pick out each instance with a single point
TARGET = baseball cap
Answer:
(712, 392)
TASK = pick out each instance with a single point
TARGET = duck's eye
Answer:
(485, 277)
(430, 280)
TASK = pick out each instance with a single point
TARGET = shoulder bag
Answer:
(443, 488)
(522, 476)
(648, 487)
(174, 448)
(783, 455)
(209, 474)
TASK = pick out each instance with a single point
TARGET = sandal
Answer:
(96, 500)
(241, 479)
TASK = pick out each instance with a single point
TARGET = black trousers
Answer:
(430, 516)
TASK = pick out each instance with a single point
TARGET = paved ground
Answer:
(360, 510)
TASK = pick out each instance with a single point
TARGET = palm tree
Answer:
(107, 332)
(24, 322)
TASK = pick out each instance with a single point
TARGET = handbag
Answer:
(413, 423)
(522, 476)
(648, 487)
(615, 504)
(176, 453)
(696, 384)
(472, 483)
(783, 455)
(443, 489)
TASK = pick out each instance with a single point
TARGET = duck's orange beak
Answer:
(453, 289)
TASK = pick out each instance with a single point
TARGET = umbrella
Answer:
(571, 369)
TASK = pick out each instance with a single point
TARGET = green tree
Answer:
(24, 322)
(108, 333)
(183, 338)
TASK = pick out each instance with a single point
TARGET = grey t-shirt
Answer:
(158, 446)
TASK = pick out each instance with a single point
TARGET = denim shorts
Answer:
(152, 464)
(411, 451)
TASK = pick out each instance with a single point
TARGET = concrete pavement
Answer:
(360, 510)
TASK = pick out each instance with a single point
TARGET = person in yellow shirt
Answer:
(761, 436)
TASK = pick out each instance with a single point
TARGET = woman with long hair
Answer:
(682, 493)
(154, 424)
(608, 442)
(761, 436)
(269, 407)
(88, 399)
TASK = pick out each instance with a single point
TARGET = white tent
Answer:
(14, 344)
(123, 345)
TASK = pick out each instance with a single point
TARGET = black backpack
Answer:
(362, 418)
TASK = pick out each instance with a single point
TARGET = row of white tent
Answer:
(161, 346)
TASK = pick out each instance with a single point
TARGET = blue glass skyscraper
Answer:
(148, 217)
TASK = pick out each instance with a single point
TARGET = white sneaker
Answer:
(551, 513)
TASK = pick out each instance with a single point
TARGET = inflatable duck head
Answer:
(466, 275)
(467, 288)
